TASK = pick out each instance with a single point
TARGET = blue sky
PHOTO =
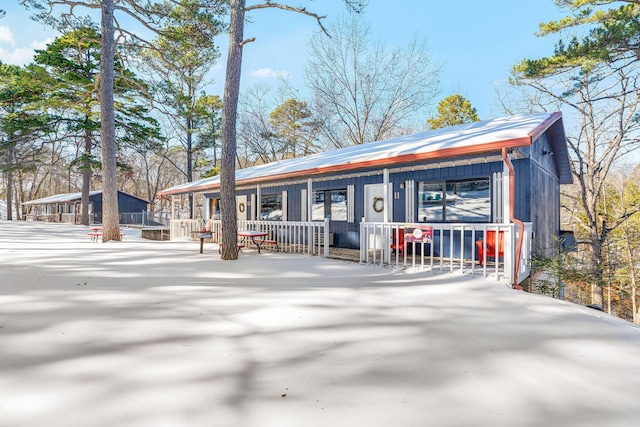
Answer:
(478, 41)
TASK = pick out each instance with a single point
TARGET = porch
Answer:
(446, 247)
(449, 247)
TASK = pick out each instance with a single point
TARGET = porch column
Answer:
(173, 207)
(258, 205)
(385, 195)
(309, 198)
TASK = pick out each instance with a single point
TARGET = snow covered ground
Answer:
(144, 333)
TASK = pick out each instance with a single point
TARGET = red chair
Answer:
(398, 245)
(491, 244)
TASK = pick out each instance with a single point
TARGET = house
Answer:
(67, 208)
(499, 171)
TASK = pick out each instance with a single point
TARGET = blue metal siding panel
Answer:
(347, 234)
(128, 204)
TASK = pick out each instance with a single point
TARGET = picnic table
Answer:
(254, 236)
(96, 232)
(204, 235)
(258, 238)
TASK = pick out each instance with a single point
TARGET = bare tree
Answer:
(230, 109)
(364, 92)
(603, 98)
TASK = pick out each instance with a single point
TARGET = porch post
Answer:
(309, 198)
(258, 205)
(385, 195)
(173, 207)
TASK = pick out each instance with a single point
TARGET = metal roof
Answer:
(59, 198)
(71, 197)
(461, 140)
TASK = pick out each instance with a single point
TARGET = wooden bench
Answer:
(240, 247)
(95, 235)
(269, 242)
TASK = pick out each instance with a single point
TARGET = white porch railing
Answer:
(308, 237)
(185, 229)
(451, 247)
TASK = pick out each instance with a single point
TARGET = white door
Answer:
(375, 203)
(241, 207)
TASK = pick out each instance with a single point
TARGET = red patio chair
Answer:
(398, 245)
(490, 236)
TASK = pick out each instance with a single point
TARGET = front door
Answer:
(375, 203)
(241, 207)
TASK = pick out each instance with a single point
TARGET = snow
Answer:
(482, 133)
(149, 333)
(59, 198)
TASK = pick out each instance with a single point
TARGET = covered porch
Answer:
(488, 250)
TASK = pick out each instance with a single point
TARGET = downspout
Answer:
(512, 192)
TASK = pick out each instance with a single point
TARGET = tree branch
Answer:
(301, 10)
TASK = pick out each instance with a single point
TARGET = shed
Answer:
(67, 208)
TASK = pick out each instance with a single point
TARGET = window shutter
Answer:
(351, 215)
(409, 201)
(303, 205)
(284, 205)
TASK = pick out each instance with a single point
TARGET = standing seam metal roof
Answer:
(466, 139)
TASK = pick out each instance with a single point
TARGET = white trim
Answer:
(351, 202)
(284, 205)
(410, 200)
(303, 204)
(309, 199)
(386, 192)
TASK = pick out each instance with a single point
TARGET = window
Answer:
(271, 207)
(455, 201)
(329, 203)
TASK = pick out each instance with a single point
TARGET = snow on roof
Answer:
(465, 139)
(71, 197)
(59, 198)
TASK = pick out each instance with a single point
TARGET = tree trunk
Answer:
(10, 160)
(10, 188)
(597, 285)
(631, 265)
(229, 112)
(189, 126)
(86, 178)
(110, 214)
(16, 200)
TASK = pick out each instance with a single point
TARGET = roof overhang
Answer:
(476, 139)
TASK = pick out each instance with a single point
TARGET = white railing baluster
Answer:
(376, 241)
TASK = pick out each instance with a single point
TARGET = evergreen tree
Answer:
(453, 110)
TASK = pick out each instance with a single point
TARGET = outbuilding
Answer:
(68, 207)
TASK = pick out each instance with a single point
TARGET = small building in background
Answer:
(68, 208)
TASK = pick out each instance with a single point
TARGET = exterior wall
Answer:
(452, 173)
(537, 195)
(347, 235)
(539, 180)
(126, 204)
(130, 204)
